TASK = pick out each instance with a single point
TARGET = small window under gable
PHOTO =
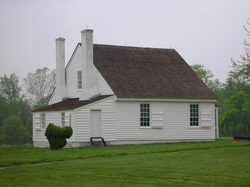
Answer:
(79, 79)
(145, 115)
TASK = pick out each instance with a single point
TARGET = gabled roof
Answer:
(148, 73)
(70, 104)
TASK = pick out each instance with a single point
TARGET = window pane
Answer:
(194, 115)
(145, 115)
(79, 80)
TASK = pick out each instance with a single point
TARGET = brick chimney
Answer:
(89, 87)
(60, 69)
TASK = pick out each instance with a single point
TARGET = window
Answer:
(145, 115)
(42, 121)
(194, 115)
(63, 119)
(79, 79)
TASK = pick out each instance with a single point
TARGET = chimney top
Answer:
(60, 39)
(87, 30)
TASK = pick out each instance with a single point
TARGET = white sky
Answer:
(209, 32)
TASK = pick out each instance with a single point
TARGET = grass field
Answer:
(219, 163)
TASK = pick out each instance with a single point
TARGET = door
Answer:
(96, 128)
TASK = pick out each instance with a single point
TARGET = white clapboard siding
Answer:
(36, 121)
(176, 125)
(74, 65)
(50, 117)
(104, 88)
(55, 98)
(82, 120)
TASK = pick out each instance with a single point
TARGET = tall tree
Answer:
(202, 72)
(214, 85)
(242, 67)
(13, 132)
(206, 76)
(236, 120)
(10, 94)
(9, 88)
(39, 84)
(42, 102)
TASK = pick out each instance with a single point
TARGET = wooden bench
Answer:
(242, 138)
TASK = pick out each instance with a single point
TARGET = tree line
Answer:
(16, 104)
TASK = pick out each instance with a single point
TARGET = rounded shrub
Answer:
(57, 136)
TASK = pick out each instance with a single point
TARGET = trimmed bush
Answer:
(57, 136)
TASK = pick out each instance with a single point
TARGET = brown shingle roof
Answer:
(148, 73)
(69, 104)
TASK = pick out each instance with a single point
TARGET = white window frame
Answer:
(145, 117)
(79, 80)
(63, 119)
(42, 120)
(194, 115)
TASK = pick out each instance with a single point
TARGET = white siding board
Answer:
(71, 73)
(107, 108)
(104, 88)
(50, 117)
(175, 127)
(55, 98)
(71, 77)
(121, 122)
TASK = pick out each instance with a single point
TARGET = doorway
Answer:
(96, 128)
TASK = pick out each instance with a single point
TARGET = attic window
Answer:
(79, 79)
(145, 115)
(194, 115)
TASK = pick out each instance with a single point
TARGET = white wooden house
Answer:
(127, 95)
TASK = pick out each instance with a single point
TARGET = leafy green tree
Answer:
(3, 111)
(28, 126)
(13, 132)
(39, 84)
(42, 102)
(235, 84)
(236, 120)
(10, 91)
(9, 88)
(214, 85)
(202, 72)
(242, 67)
(9, 97)
(25, 110)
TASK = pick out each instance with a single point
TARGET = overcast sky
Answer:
(208, 32)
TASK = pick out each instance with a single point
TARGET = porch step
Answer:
(97, 141)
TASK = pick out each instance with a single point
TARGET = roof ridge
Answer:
(108, 45)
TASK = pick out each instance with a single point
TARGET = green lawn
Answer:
(219, 163)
